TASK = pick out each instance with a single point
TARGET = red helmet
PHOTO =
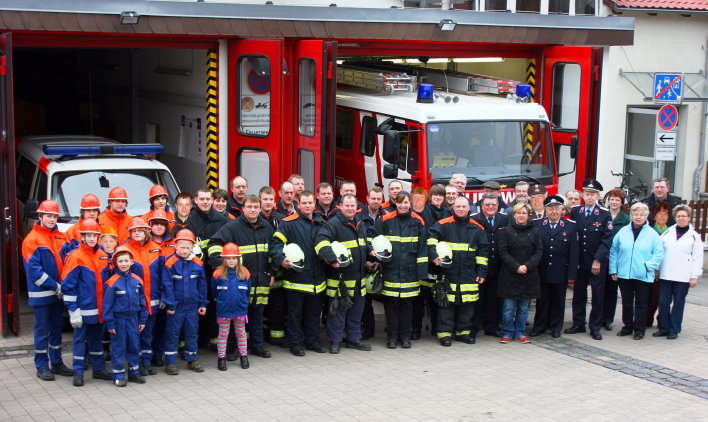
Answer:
(90, 202)
(159, 215)
(185, 234)
(230, 249)
(117, 193)
(138, 223)
(121, 250)
(157, 190)
(89, 226)
(48, 207)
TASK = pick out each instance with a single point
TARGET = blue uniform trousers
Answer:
(146, 339)
(187, 319)
(158, 334)
(48, 322)
(346, 319)
(125, 345)
(91, 335)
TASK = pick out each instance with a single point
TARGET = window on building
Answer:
(495, 5)
(584, 7)
(559, 7)
(529, 6)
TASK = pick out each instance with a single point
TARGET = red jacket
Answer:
(120, 222)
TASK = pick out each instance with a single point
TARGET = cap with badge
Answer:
(491, 184)
(553, 200)
(592, 185)
(537, 189)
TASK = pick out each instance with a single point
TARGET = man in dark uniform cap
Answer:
(594, 225)
(558, 266)
(537, 195)
(490, 187)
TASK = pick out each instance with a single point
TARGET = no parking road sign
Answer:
(667, 117)
(668, 88)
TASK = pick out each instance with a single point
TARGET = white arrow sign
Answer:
(665, 139)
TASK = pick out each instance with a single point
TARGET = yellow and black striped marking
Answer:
(212, 125)
(528, 130)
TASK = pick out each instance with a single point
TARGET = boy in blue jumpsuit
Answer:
(43, 266)
(124, 312)
(83, 297)
(184, 295)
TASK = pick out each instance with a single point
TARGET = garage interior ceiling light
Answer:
(447, 25)
(478, 60)
(129, 18)
(433, 60)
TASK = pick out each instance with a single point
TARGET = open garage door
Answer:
(9, 242)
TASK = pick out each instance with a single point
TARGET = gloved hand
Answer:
(75, 318)
(58, 292)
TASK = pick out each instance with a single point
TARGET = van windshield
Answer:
(69, 187)
(502, 150)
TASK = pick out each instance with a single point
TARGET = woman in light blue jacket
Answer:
(635, 255)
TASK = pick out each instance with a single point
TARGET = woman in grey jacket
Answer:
(681, 268)
(635, 254)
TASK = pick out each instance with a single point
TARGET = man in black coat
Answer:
(558, 267)
(595, 235)
(204, 222)
(488, 309)
(660, 193)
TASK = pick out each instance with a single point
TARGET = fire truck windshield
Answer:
(508, 150)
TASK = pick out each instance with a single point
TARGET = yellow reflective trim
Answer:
(281, 236)
(458, 246)
(443, 334)
(308, 288)
(422, 259)
(362, 241)
(215, 249)
(405, 239)
(463, 332)
(203, 243)
(481, 260)
(277, 334)
(432, 241)
(426, 283)
(349, 243)
(277, 284)
(321, 245)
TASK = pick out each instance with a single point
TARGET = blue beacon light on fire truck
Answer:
(425, 94)
(104, 149)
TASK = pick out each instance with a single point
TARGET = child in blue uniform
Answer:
(231, 285)
(184, 294)
(124, 313)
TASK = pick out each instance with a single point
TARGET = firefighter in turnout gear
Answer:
(403, 268)
(304, 282)
(345, 274)
(468, 269)
(252, 233)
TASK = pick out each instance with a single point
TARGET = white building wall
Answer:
(662, 43)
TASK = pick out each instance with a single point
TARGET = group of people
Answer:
(226, 264)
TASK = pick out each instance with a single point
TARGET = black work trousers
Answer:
(635, 304)
(423, 304)
(455, 319)
(368, 323)
(399, 317)
(550, 307)
(488, 308)
(580, 298)
(275, 313)
(303, 318)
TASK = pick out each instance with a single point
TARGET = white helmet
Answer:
(295, 255)
(382, 247)
(344, 256)
(444, 253)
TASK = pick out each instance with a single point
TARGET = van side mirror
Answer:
(31, 208)
(391, 146)
(574, 147)
(390, 171)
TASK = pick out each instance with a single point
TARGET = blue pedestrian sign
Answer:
(668, 88)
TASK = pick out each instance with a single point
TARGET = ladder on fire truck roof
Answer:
(382, 81)
(454, 81)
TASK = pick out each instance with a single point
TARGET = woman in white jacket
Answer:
(681, 268)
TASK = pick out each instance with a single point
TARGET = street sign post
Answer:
(666, 134)
(668, 88)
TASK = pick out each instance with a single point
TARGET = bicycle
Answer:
(632, 193)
